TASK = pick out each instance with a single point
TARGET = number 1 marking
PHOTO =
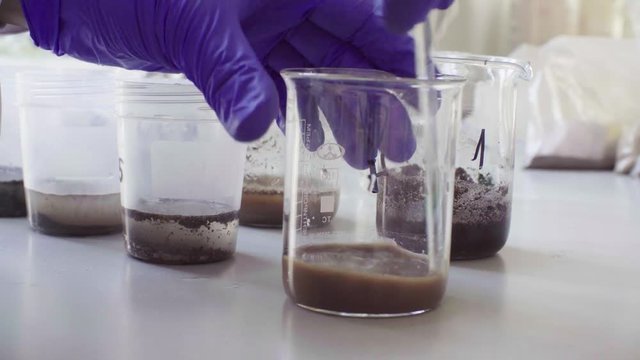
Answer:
(480, 149)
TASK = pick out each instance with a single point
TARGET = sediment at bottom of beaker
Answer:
(12, 201)
(479, 240)
(361, 279)
(74, 215)
(180, 239)
(262, 208)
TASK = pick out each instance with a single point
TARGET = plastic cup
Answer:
(12, 201)
(263, 188)
(69, 148)
(181, 174)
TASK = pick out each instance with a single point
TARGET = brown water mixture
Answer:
(375, 279)
(262, 202)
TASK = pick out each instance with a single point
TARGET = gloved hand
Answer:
(401, 15)
(231, 50)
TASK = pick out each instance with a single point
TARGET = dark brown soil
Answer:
(12, 202)
(180, 239)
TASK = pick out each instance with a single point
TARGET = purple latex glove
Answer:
(364, 120)
(401, 15)
(231, 50)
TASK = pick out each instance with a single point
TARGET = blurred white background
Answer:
(497, 27)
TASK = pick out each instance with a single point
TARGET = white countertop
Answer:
(566, 286)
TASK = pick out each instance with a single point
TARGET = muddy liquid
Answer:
(157, 237)
(262, 208)
(476, 241)
(376, 279)
(262, 201)
(74, 215)
(12, 201)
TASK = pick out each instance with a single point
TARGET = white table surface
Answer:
(566, 286)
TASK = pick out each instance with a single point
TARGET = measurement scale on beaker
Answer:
(317, 201)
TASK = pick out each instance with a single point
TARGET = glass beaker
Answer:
(263, 186)
(485, 151)
(350, 266)
(12, 202)
(181, 174)
(70, 154)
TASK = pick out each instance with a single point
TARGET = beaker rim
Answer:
(372, 77)
(523, 67)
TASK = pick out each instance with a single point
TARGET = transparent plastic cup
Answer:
(353, 265)
(12, 201)
(263, 187)
(485, 151)
(181, 174)
(69, 148)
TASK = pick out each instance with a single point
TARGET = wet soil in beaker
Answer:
(481, 217)
(401, 209)
(74, 215)
(12, 201)
(262, 202)
(376, 279)
(481, 212)
(157, 237)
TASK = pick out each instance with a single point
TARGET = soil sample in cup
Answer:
(74, 215)
(481, 217)
(262, 202)
(401, 209)
(373, 279)
(181, 232)
(12, 202)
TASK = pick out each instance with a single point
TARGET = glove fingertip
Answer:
(246, 108)
(401, 153)
(315, 139)
(281, 121)
(251, 123)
